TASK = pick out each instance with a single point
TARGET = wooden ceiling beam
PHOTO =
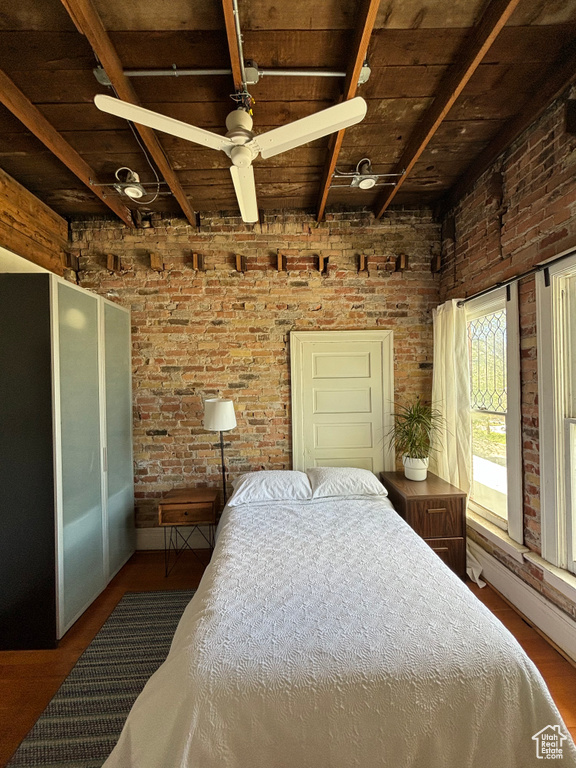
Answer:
(233, 47)
(22, 108)
(30, 228)
(363, 33)
(555, 81)
(86, 18)
(475, 47)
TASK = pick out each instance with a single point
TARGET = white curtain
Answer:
(452, 454)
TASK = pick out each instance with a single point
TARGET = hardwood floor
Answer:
(29, 679)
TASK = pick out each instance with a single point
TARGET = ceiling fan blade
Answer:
(245, 188)
(312, 127)
(161, 122)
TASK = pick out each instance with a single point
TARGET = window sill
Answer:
(496, 536)
(563, 581)
(560, 579)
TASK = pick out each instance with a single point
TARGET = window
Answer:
(493, 347)
(556, 302)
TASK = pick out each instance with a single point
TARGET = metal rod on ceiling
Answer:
(299, 73)
(341, 174)
(174, 72)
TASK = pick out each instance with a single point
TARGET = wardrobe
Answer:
(66, 470)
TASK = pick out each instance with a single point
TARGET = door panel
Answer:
(342, 436)
(342, 401)
(335, 365)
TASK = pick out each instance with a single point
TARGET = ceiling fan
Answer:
(239, 143)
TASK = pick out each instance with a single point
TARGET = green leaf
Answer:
(412, 428)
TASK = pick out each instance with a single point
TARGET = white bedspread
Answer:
(328, 635)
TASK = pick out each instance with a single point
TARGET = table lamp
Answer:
(219, 416)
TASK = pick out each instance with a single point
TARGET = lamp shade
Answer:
(219, 415)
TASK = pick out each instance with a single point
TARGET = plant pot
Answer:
(415, 469)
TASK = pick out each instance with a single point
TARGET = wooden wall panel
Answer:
(30, 228)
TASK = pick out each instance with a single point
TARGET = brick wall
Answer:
(504, 230)
(196, 334)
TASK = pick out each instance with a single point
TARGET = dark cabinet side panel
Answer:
(27, 550)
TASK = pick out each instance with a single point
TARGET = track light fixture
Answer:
(363, 176)
(129, 183)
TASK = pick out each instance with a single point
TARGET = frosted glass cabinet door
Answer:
(81, 558)
(120, 503)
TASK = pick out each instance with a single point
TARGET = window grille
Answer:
(487, 340)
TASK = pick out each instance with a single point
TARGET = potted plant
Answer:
(411, 435)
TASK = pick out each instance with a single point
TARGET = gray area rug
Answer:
(82, 723)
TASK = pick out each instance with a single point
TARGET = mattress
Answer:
(326, 634)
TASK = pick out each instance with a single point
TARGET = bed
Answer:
(326, 634)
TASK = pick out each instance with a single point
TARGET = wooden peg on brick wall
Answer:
(113, 262)
(156, 262)
(449, 228)
(198, 262)
(281, 263)
(323, 264)
(401, 263)
(362, 263)
(240, 263)
(496, 188)
(436, 263)
(70, 261)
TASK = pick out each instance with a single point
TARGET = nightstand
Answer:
(436, 510)
(190, 508)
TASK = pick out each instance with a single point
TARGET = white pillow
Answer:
(344, 481)
(270, 485)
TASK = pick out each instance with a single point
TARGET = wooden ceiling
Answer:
(452, 82)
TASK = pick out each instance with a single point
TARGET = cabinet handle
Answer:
(436, 511)
(440, 549)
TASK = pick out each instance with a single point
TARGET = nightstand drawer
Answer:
(435, 517)
(186, 514)
(452, 552)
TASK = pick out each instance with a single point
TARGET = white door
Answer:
(342, 398)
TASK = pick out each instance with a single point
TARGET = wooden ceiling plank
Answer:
(559, 77)
(233, 47)
(20, 106)
(473, 51)
(364, 27)
(86, 18)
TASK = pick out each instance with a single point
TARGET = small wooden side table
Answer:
(190, 508)
(436, 510)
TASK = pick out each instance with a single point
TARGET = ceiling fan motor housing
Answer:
(239, 124)
(241, 156)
